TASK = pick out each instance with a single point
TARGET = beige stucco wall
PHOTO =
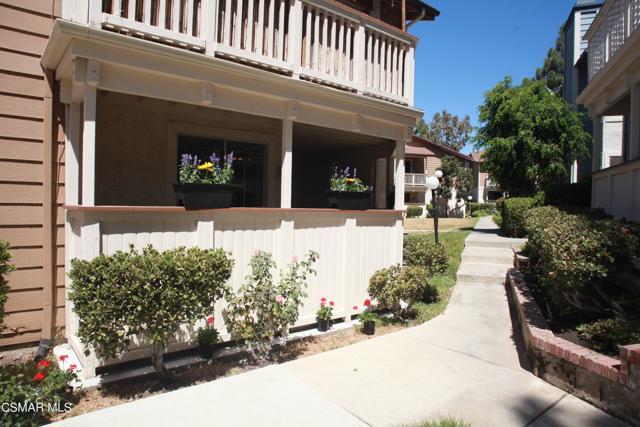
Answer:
(135, 145)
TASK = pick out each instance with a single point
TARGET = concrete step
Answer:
(487, 255)
(487, 273)
(491, 241)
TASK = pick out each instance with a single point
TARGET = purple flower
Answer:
(214, 159)
(228, 160)
(186, 159)
(355, 172)
(195, 161)
(346, 171)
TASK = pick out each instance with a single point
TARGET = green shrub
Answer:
(419, 250)
(414, 211)
(262, 311)
(572, 255)
(429, 210)
(514, 210)
(497, 218)
(5, 268)
(607, 334)
(475, 207)
(31, 382)
(397, 288)
(442, 422)
(148, 294)
(499, 203)
(481, 213)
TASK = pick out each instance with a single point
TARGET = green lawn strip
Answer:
(443, 422)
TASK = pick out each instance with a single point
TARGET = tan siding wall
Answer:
(24, 28)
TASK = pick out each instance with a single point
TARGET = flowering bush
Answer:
(325, 312)
(397, 288)
(342, 180)
(215, 171)
(149, 294)
(419, 250)
(368, 315)
(208, 335)
(5, 268)
(42, 382)
(263, 311)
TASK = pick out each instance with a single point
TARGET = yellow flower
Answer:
(208, 166)
(350, 180)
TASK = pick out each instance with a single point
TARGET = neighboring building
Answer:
(613, 89)
(486, 190)
(575, 80)
(291, 87)
(423, 158)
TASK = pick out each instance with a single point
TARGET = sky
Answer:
(473, 44)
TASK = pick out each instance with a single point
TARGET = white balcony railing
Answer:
(314, 40)
(415, 180)
(616, 21)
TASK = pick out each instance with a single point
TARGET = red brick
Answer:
(575, 358)
(613, 374)
(598, 368)
(624, 378)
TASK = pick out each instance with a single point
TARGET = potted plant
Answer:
(368, 318)
(205, 185)
(207, 337)
(324, 315)
(346, 190)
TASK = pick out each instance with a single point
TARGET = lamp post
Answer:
(469, 199)
(433, 182)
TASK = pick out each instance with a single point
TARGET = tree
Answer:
(552, 71)
(529, 135)
(446, 129)
(455, 177)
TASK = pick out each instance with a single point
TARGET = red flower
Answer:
(331, 303)
(355, 307)
(210, 320)
(39, 376)
(367, 302)
(44, 364)
(323, 300)
(63, 357)
(73, 367)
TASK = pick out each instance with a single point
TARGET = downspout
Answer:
(419, 18)
(49, 214)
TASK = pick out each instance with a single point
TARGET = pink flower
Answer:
(210, 320)
(355, 307)
(323, 300)
(73, 367)
(279, 299)
(367, 302)
(63, 357)
(331, 303)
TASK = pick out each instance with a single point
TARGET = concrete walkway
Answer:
(464, 363)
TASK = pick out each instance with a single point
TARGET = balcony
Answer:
(415, 180)
(614, 25)
(319, 41)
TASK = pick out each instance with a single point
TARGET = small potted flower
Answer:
(207, 337)
(368, 318)
(347, 192)
(205, 185)
(324, 315)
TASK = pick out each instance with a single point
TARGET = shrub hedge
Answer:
(397, 288)
(573, 255)
(5, 268)
(146, 293)
(513, 213)
(419, 250)
(414, 211)
(475, 207)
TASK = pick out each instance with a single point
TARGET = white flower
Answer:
(403, 305)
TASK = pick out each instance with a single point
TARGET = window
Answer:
(248, 164)
(408, 166)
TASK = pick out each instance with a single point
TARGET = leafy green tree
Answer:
(464, 184)
(552, 71)
(529, 135)
(455, 177)
(446, 129)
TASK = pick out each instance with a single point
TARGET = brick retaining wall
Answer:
(606, 382)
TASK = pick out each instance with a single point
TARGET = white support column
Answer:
(209, 24)
(294, 48)
(359, 69)
(399, 174)
(287, 163)
(408, 74)
(89, 133)
(634, 122)
(381, 183)
(597, 143)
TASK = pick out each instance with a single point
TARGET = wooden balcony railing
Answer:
(415, 180)
(314, 40)
(615, 23)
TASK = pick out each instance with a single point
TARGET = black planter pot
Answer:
(369, 328)
(323, 325)
(349, 200)
(206, 350)
(204, 196)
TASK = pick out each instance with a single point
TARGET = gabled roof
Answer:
(416, 8)
(423, 147)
